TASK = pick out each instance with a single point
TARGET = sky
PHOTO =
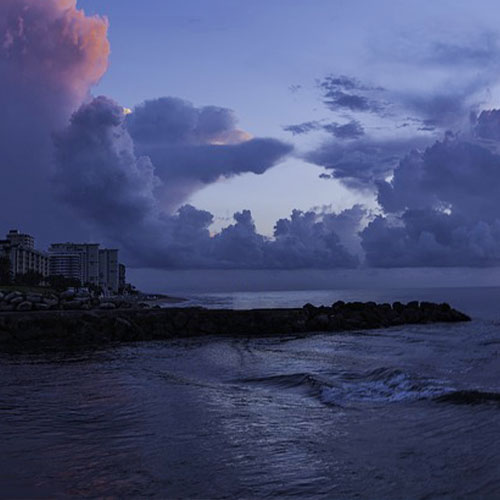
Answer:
(254, 135)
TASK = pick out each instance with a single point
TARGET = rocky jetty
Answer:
(108, 323)
(70, 300)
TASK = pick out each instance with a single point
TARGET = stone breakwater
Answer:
(65, 301)
(79, 327)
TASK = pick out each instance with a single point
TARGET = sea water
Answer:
(404, 412)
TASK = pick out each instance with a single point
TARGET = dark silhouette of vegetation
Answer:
(95, 290)
(128, 289)
(61, 283)
(5, 276)
(29, 278)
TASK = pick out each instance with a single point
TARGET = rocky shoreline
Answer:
(72, 300)
(68, 327)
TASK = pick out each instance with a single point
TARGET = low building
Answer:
(20, 250)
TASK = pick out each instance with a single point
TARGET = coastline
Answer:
(19, 329)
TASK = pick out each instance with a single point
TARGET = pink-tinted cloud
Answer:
(53, 45)
(51, 54)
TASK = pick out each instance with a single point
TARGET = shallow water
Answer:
(408, 412)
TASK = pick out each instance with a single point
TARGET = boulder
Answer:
(40, 306)
(24, 306)
(16, 300)
(320, 322)
(12, 295)
(67, 295)
(35, 298)
(107, 305)
(50, 302)
(71, 305)
(310, 310)
(123, 328)
(398, 307)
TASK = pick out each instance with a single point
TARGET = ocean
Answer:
(406, 412)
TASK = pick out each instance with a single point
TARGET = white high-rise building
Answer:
(109, 275)
(87, 263)
(20, 250)
(75, 260)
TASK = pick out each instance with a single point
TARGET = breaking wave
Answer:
(377, 386)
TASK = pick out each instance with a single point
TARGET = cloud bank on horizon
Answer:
(127, 177)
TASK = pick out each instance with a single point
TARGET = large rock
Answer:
(51, 302)
(17, 300)
(35, 298)
(107, 305)
(67, 295)
(24, 306)
(71, 305)
(12, 295)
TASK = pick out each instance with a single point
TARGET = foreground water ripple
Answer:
(408, 412)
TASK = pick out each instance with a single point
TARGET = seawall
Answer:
(77, 327)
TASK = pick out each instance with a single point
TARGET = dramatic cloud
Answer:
(452, 174)
(305, 240)
(52, 48)
(191, 147)
(98, 172)
(442, 205)
(126, 178)
(50, 54)
(431, 238)
(100, 177)
(118, 175)
(361, 163)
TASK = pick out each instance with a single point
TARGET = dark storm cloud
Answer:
(173, 121)
(431, 238)
(309, 239)
(97, 170)
(441, 206)
(100, 177)
(363, 162)
(451, 173)
(191, 147)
